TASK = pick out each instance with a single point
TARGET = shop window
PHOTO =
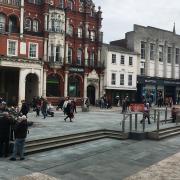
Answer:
(53, 86)
(74, 87)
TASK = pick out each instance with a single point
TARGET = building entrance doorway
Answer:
(91, 94)
(32, 88)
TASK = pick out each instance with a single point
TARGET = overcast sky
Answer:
(120, 15)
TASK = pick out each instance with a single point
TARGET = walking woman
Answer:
(69, 112)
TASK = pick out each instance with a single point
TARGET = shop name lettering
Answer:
(164, 82)
(150, 81)
(76, 69)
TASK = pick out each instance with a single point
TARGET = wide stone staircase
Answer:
(164, 133)
(45, 144)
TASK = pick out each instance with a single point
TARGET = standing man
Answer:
(5, 129)
(20, 132)
(44, 107)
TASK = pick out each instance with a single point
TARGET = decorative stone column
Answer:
(99, 54)
(44, 83)
(45, 21)
(67, 46)
(147, 62)
(85, 84)
(173, 73)
(86, 55)
(86, 30)
(165, 59)
(45, 49)
(66, 84)
(22, 19)
(22, 84)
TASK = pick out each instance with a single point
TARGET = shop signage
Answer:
(76, 69)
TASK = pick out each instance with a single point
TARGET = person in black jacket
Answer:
(5, 129)
(20, 132)
(25, 108)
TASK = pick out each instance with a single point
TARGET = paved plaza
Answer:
(105, 159)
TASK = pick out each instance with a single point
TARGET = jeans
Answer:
(19, 147)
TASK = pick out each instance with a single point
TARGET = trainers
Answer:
(21, 159)
(12, 159)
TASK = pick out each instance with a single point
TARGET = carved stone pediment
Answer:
(93, 75)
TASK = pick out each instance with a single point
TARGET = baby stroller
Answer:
(50, 111)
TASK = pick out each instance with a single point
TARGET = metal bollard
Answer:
(130, 126)
(166, 115)
(136, 118)
(155, 112)
(158, 121)
(123, 123)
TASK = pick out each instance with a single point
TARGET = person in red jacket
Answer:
(20, 133)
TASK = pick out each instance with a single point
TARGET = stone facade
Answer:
(159, 61)
(120, 75)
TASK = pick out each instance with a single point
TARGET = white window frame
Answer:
(28, 26)
(113, 81)
(130, 61)
(130, 81)
(16, 47)
(122, 60)
(121, 80)
(37, 48)
(113, 59)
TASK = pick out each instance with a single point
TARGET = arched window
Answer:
(2, 23)
(80, 31)
(13, 24)
(70, 30)
(70, 4)
(28, 24)
(74, 87)
(91, 58)
(53, 86)
(35, 25)
(92, 35)
(79, 56)
(69, 60)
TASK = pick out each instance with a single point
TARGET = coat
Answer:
(20, 129)
(5, 127)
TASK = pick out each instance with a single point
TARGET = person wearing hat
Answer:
(20, 132)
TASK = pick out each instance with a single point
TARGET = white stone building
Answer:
(120, 74)
(159, 61)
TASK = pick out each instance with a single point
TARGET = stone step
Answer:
(68, 140)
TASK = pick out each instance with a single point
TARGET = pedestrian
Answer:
(73, 102)
(67, 100)
(20, 132)
(69, 112)
(44, 108)
(146, 113)
(5, 130)
(25, 108)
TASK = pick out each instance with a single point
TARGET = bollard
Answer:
(158, 120)
(166, 115)
(130, 126)
(123, 123)
(155, 115)
(136, 118)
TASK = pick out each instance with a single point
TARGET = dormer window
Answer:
(70, 30)
(92, 36)
(80, 31)
(28, 24)
(35, 25)
(70, 4)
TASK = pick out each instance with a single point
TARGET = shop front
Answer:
(149, 88)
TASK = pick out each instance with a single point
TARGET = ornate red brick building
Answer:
(50, 48)
(80, 72)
